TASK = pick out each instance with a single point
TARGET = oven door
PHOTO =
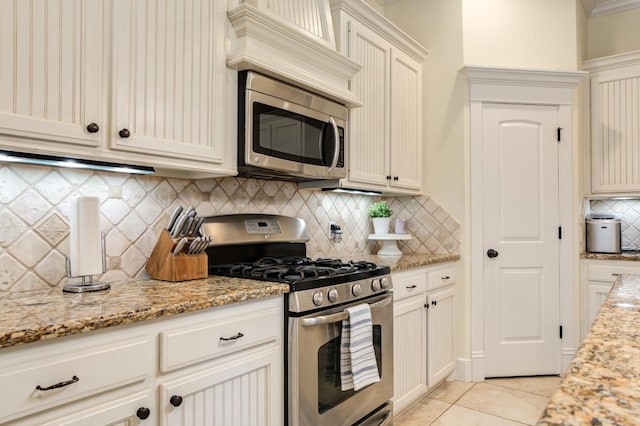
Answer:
(315, 395)
(286, 137)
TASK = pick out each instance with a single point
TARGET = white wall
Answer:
(613, 33)
(537, 34)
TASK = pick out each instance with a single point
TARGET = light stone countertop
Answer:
(39, 315)
(633, 256)
(602, 383)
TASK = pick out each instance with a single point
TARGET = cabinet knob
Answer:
(124, 133)
(93, 128)
(434, 302)
(388, 177)
(492, 253)
(395, 178)
(143, 413)
(175, 400)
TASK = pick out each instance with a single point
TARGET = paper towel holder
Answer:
(87, 284)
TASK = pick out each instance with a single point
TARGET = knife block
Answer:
(163, 265)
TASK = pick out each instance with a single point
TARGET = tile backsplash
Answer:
(629, 212)
(34, 231)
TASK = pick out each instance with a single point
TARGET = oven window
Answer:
(290, 136)
(329, 392)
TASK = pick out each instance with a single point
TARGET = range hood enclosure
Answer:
(293, 41)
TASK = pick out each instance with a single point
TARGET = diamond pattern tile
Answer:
(34, 205)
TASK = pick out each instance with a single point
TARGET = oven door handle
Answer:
(340, 316)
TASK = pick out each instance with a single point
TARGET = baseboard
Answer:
(463, 371)
(567, 357)
(477, 364)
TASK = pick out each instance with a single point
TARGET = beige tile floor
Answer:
(494, 402)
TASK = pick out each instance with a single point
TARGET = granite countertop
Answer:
(602, 384)
(625, 255)
(39, 315)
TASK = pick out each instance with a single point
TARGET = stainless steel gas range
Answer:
(270, 247)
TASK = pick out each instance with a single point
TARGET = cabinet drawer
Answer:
(607, 273)
(187, 345)
(407, 284)
(441, 277)
(77, 374)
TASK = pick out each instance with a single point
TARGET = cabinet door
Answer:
(247, 391)
(132, 410)
(406, 121)
(168, 78)
(50, 81)
(615, 138)
(409, 351)
(440, 340)
(369, 124)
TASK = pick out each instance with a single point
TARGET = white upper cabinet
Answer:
(49, 73)
(615, 124)
(385, 133)
(168, 78)
(121, 81)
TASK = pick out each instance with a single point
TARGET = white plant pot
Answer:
(381, 225)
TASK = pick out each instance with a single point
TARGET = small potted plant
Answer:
(380, 214)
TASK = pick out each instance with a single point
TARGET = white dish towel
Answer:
(358, 367)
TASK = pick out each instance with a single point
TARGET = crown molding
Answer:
(611, 6)
(523, 77)
(614, 61)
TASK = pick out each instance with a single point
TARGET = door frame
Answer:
(532, 87)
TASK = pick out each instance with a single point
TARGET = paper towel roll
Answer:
(85, 238)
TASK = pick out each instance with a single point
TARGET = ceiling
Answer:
(592, 7)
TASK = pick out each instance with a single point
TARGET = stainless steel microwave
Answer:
(285, 132)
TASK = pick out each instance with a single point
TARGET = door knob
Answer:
(492, 253)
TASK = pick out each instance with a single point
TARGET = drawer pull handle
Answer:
(59, 385)
(236, 337)
(143, 413)
(446, 277)
(411, 286)
(175, 400)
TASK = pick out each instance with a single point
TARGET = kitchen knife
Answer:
(174, 217)
(180, 246)
(193, 246)
(187, 225)
(191, 211)
(179, 225)
(198, 226)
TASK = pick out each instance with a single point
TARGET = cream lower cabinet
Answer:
(217, 366)
(119, 81)
(424, 352)
(385, 133)
(597, 277)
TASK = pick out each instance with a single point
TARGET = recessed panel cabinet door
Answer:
(168, 78)
(50, 83)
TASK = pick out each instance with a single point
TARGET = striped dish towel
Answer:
(358, 367)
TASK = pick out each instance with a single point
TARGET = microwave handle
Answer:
(336, 150)
(340, 316)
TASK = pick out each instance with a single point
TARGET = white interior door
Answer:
(521, 217)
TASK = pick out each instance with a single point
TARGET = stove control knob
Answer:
(356, 290)
(332, 295)
(375, 285)
(317, 298)
(384, 283)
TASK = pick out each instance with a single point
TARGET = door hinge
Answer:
(559, 133)
(559, 232)
(561, 332)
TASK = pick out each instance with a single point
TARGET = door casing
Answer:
(528, 87)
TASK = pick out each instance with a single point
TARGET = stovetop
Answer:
(302, 273)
